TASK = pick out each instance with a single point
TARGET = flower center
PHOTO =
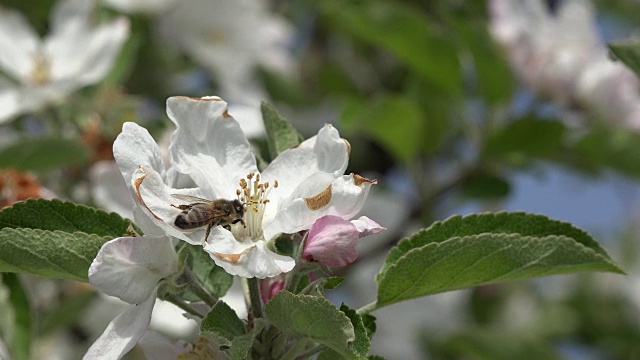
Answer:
(41, 72)
(254, 195)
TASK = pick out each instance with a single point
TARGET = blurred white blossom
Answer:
(561, 56)
(230, 39)
(140, 6)
(43, 71)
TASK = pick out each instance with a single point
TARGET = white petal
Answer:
(71, 16)
(250, 119)
(123, 333)
(146, 223)
(367, 226)
(9, 103)
(158, 347)
(135, 147)
(130, 268)
(255, 260)
(78, 53)
(140, 6)
(345, 198)
(109, 189)
(209, 145)
(101, 48)
(155, 200)
(325, 153)
(18, 44)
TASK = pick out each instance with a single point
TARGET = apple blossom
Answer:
(301, 185)
(561, 56)
(73, 55)
(130, 268)
(210, 33)
(332, 240)
(140, 6)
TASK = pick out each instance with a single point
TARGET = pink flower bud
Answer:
(269, 287)
(332, 240)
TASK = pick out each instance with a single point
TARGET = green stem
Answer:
(182, 305)
(291, 275)
(367, 308)
(198, 290)
(295, 352)
(254, 297)
(307, 354)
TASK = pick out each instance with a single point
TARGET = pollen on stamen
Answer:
(253, 195)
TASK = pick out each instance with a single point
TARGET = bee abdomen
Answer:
(188, 221)
(182, 223)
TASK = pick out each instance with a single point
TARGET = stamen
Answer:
(253, 194)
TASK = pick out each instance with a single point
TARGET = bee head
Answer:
(238, 207)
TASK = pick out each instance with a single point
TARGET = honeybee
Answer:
(201, 212)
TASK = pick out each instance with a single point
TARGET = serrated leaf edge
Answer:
(437, 224)
(382, 276)
(56, 233)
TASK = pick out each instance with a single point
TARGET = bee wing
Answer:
(190, 199)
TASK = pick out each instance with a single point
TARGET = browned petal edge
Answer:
(225, 113)
(232, 258)
(211, 98)
(320, 200)
(136, 184)
(359, 180)
(348, 146)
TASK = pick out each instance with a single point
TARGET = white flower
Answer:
(140, 6)
(130, 268)
(73, 55)
(562, 57)
(230, 39)
(301, 185)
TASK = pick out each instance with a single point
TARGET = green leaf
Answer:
(43, 153)
(333, 282)
(315, 318)
(628, 52)
(491, 344)
(280, 134)
(48, 253)
(521, 223)
(493, 74)
(212, 277)
(369, 322)
(362, 342)
(525, 138)
(19, 335)
(403, 31)
(64, 216)
(394, 121)
(462, 252)
(485, 186)
(612, 148)
(224, 328)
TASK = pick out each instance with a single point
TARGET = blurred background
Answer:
(455, 107)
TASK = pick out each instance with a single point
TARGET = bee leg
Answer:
(239, 221)
(182, 207)
(206, 235)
